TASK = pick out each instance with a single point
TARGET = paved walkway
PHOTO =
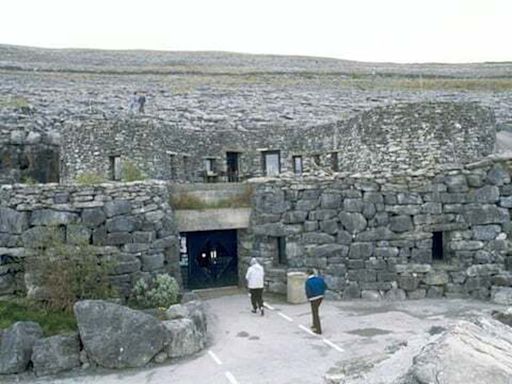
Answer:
(279, 348)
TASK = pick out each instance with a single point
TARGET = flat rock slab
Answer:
(118, 337)
(477, 351)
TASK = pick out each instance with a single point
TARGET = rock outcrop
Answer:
(118, 337)
(476, 351)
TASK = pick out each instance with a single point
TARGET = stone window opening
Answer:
(438, 253)
(209, 165)
(172, 166)
(271, 162)
(280, 254)
(297, 165)
(186, 175)
(115, 167)
(334, 161)
(316, 160)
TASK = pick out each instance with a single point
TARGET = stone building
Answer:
(398, 201)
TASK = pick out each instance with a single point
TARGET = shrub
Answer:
(89, 178)
(67, 273)
(163, 291)
(131, 172)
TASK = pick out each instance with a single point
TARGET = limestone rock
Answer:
(176, 311)
(183, 338)
(115, 336)
(55, 354)
(477, 351)
(501, 295)
(197, 314)
(16, 346)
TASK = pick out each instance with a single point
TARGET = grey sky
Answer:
(368, 30)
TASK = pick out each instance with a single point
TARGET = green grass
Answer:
(52, 322)
(89, 178)
(187, 201)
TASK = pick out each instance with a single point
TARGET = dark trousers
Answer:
(256, 298)
(315, 305)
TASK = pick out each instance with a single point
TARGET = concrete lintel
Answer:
(212, 219)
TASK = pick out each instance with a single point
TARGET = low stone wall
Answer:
(130, 224)
(375, 236)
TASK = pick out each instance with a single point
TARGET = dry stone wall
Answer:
(403, 136)
(29, 149)
(374, 237)
(129, 224)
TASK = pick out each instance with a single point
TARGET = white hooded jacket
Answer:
(255, 275)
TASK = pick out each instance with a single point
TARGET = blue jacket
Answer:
(315, 287)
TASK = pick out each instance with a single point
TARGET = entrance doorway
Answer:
(212, 259)
(232, 161)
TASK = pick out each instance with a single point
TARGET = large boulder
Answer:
(476, 351)
(182, 338)
(16, 346)
(115, 336)
(55, 354)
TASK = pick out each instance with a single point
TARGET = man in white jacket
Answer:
(255, 277)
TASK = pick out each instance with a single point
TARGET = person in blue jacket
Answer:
(315, 290)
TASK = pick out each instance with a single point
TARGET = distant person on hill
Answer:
(142, 101)
(315, 290)
(134, 102)
(255, 277)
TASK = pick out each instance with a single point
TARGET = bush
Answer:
(163, 291)
(131, 172)
(89, 178)
(67, 273)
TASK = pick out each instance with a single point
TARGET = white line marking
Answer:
(332, 345)
(215, 358)
(268, 306)
(305, 329)
(230, 377)
(285, 317)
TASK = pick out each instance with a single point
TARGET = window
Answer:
(185, 168)
(281, 251)
(209, 166)
(316, 160)
(271, 163)
(115, 167)
(297, 165)
(334, 161)
(172, 166)
(437, 246)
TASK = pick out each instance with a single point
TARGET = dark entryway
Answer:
(437, 246)
(232, 160)
(212, 259)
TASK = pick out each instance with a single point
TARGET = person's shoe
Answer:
(253, 310)
(262, 311)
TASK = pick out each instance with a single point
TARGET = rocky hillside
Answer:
(214, 90)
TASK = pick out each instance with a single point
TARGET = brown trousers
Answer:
(315, 305)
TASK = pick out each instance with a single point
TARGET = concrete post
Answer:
(296, 293)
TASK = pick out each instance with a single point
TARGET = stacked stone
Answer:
(374, 237)
(130, 224)
(401, 137)
(29, 147)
